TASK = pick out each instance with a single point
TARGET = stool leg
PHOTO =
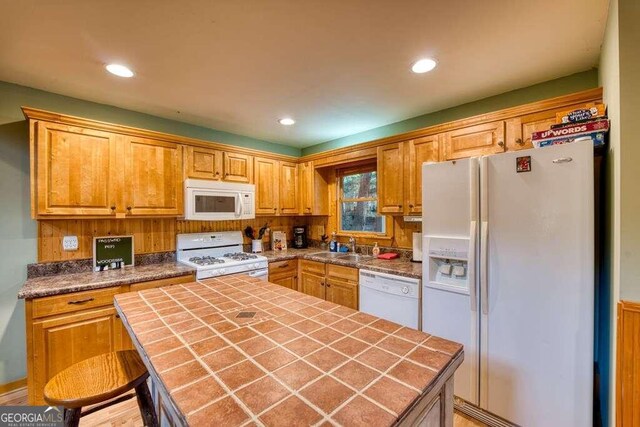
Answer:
(72, 417)
(145, 403)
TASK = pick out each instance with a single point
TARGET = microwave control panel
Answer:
(247, 203)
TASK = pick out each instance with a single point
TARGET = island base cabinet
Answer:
(313, 285)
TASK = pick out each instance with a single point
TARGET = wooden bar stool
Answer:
(98, 379)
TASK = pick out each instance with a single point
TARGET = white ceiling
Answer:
(337, 66)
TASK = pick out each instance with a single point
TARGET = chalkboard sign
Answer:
(111, 252)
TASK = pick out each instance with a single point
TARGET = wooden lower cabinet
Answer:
(77, 326)
(343, 293)
(334, 283)
(284, 273)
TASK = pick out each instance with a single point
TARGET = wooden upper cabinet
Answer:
(390, 179)
(478, 140)
(202, 163)
(288, 188)
(417, 152)
(313, 194)
(238, 167)
(153, 173)
(266, 180)
(74, 171)
(519, 129)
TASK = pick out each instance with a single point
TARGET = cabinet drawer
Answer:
(75, 301)
(340, 272)
(281, 267)
(161, 282)
(312, 267)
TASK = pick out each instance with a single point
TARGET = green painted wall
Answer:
(562, 86)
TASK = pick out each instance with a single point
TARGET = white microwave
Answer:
(206, 200)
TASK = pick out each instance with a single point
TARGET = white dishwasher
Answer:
(391, 297)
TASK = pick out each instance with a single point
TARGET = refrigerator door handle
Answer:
(484, 289)
(471, 266)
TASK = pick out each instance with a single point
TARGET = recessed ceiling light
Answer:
(119, 70)
(287, 121)
(423, 66)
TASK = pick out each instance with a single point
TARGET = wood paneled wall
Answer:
(150, 234)
(628, 365)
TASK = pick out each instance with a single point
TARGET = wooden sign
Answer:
(111, 252)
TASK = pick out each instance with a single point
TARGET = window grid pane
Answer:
(359, 202)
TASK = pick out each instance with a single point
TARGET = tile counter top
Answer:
(398, 266)
(42, 286)
(238, 351)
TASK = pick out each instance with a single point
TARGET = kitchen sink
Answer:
(356, 257)
(327, 254)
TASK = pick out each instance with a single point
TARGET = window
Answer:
(358, 201)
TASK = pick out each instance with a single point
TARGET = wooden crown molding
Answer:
(34, 114)
(590, 95)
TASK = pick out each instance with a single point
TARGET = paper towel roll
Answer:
(417, 247)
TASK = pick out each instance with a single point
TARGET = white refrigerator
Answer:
(508, 271)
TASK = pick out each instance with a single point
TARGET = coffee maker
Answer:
(299, 236)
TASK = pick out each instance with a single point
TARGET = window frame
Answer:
(342, 172)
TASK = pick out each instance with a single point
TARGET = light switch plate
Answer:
(70, 243)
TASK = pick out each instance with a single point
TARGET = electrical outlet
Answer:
(70, 243)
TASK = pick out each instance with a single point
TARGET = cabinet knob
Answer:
(217, 173)
(328, 285)
(129, 208)
(113, 208)
(411, 206)
(501, 143)
(275, 209)
(400, 206)
(519, 141)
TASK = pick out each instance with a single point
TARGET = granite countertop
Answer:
(398, 266)
(42, 286)
(237, 350)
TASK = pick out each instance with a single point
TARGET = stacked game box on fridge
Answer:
(589, 123)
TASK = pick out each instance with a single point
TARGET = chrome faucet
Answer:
(352, 244)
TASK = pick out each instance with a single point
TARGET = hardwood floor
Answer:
(126, 414)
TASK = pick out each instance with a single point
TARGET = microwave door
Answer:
(214, 205)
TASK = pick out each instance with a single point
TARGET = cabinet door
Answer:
(418, 151)
(314, 195)
(75, 171)
(519, 129)
(289, 189)
(343, 293)
(287, 280)
(313, 285)
(153, 172)
(305, 172)
(390, 179)
(267, 178)
(203, 163)
(478, 140)
(238, 168)
(61, 341)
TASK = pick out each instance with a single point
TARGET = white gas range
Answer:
(219, 254)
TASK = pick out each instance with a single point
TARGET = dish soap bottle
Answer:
(376, 250)
(333, 244)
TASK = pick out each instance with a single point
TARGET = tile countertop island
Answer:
(239, 351)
